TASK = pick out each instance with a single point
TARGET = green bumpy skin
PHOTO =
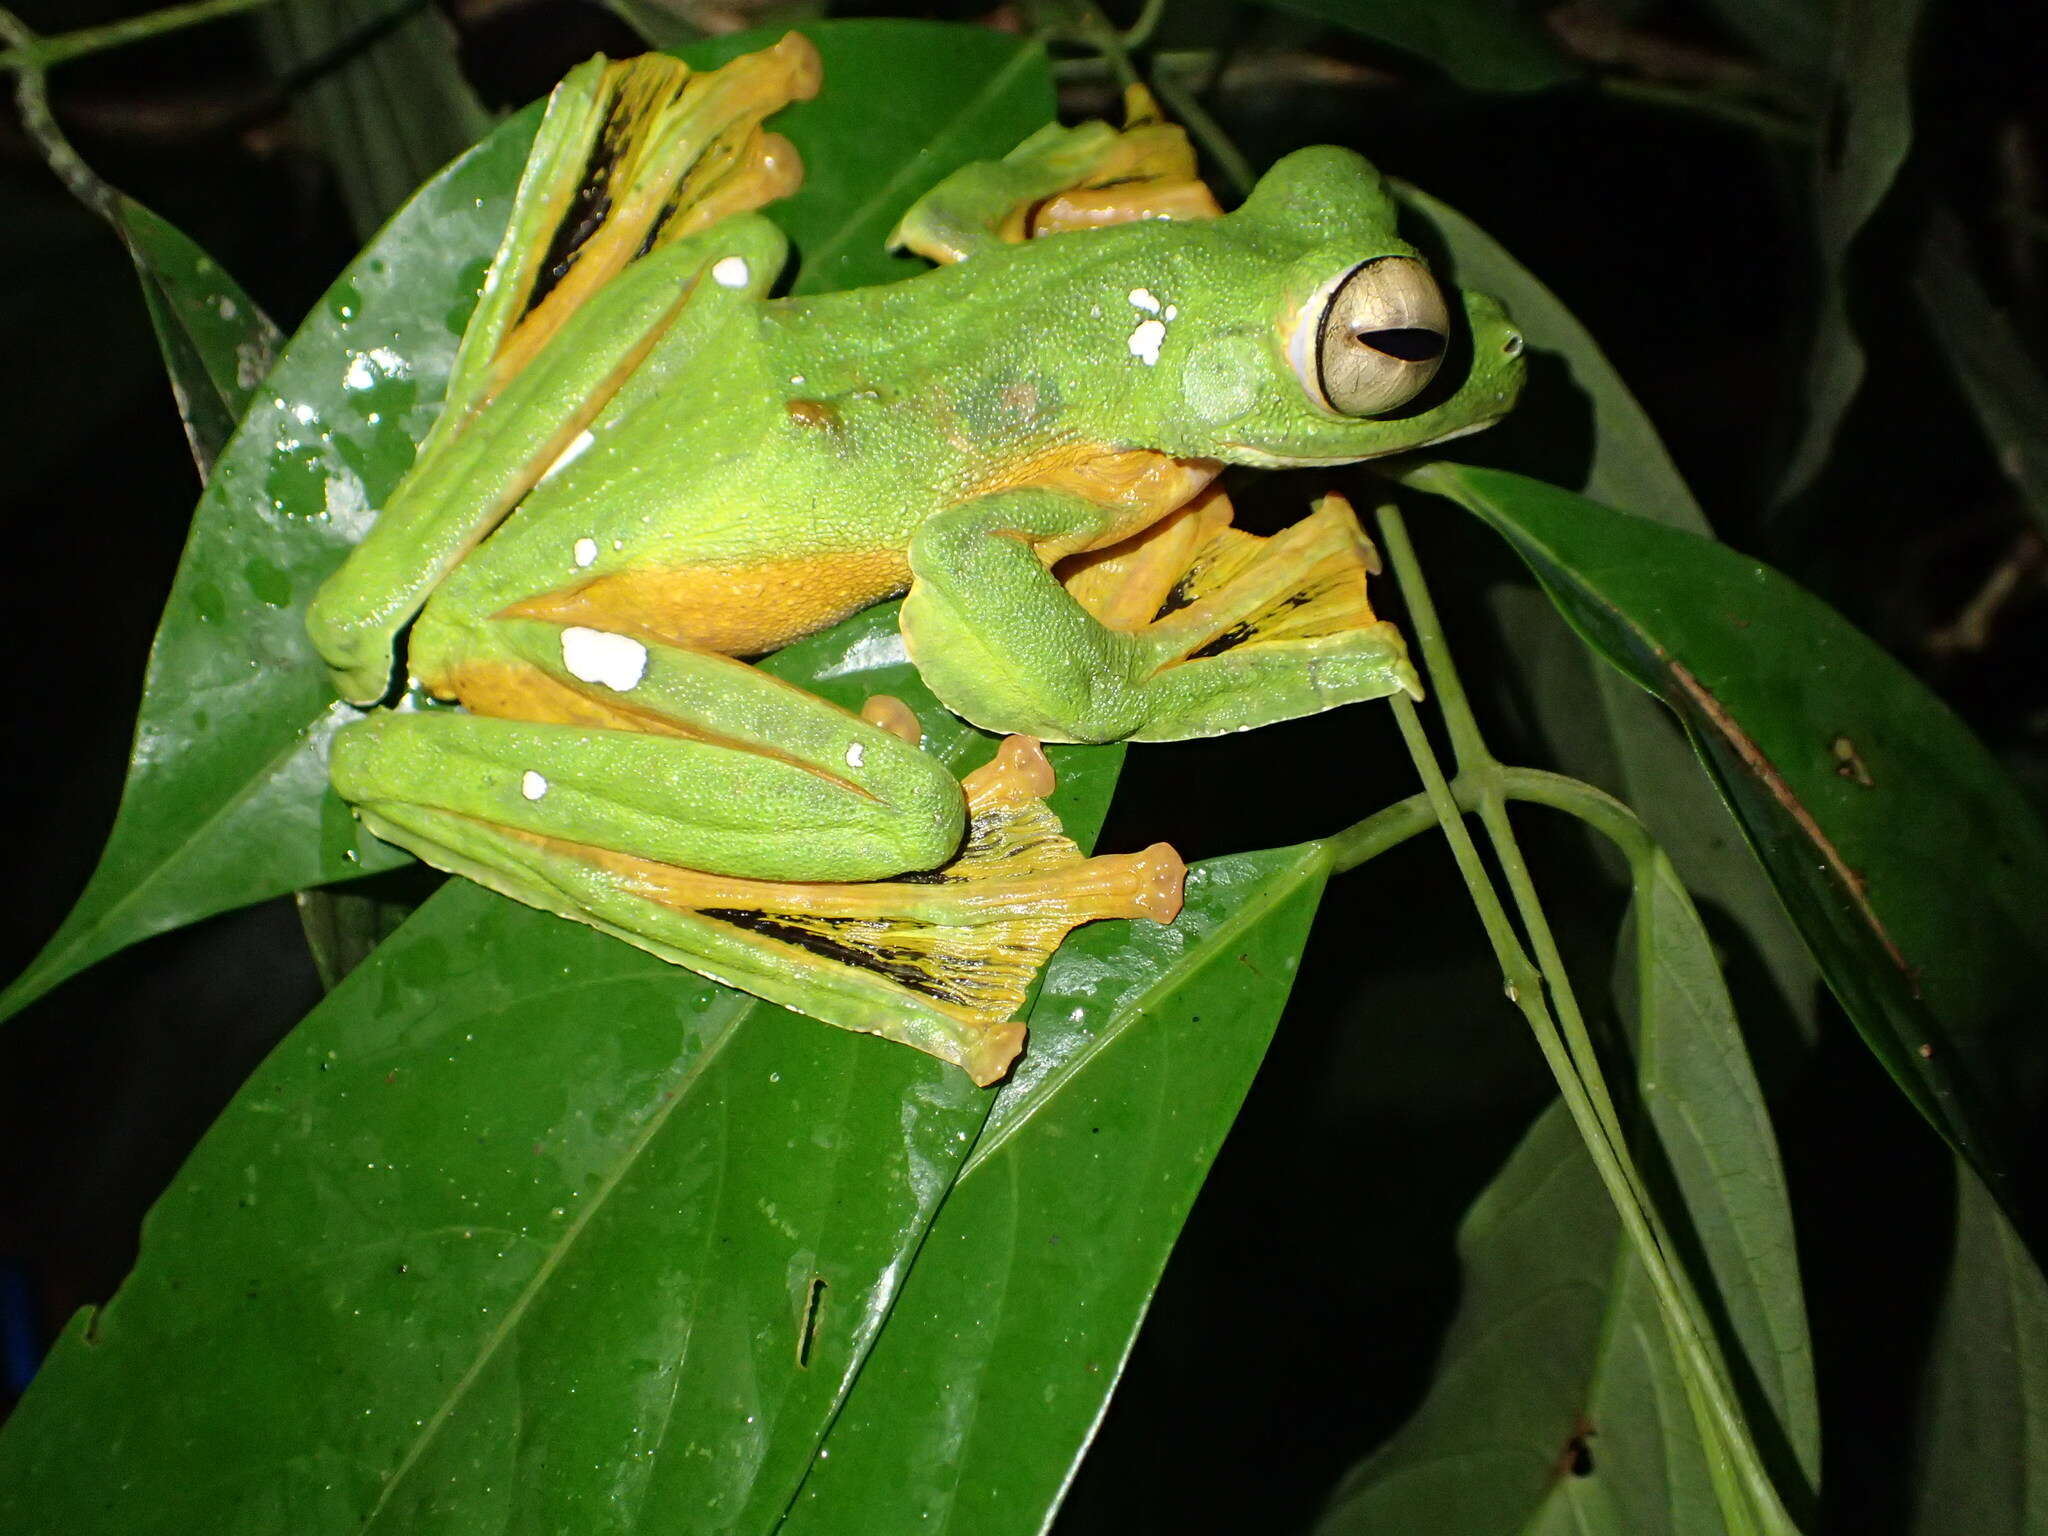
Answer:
(691, 471)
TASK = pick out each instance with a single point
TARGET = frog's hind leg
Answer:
(732, 823)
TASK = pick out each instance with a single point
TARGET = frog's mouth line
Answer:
(1259, 458)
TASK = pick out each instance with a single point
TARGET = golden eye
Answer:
(1378, 339)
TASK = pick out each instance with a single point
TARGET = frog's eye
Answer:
(1374, 340)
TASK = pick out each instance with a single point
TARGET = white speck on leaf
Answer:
(616, 661)
(586, 551)
(1143, 298)
(732, 272)
(569, 455)
(1145, 341)
(533, 785)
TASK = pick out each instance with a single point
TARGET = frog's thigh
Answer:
(705, 763)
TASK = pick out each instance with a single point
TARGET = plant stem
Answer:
(45, 51)
(1749, 1501)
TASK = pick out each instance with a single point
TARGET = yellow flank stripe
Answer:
(734, 610)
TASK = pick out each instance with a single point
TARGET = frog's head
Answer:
(1321, 337)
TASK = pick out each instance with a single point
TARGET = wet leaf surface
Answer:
(998, 1362)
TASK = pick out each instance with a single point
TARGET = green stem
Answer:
(1743, 1486)
(1141, 30)
(32, 101)
(1474, 759)
(1365, 841)
(45, 51)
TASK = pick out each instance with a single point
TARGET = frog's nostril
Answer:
(1513, 345)
(1408, 343)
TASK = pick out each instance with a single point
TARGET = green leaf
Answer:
(1487, 45)
(1868, 128)
(1983, 1452)
(984, 1391)
(1908, 860)
(226, 801)
(520, 1225)
(376, 84)
(1557, 1404)
(2004, 387)
(217, 345)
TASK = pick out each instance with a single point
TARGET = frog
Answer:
(650, 470)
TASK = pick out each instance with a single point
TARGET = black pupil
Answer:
(1410, 344)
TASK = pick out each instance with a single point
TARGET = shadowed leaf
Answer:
(1906, 857)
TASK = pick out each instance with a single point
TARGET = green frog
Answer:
(649, 469)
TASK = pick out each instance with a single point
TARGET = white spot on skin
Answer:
(856, 754)
(1142, 298)
(616, 661)
(796, 378)
(586, 551)
(533, 785)
(569, 455)
(1172, 312)
(733, 272)
(1145, 342)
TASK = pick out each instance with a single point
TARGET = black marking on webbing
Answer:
(897, 965)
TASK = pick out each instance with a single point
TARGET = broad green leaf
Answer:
(1868, 128)
(376, 84)
(1601, 729)
(217, 345)
(1557, 1404)
(1983, 1433)
(998, 1362)
(1488, 45)
(226, 801)
(521, 1227)
(2002, 383)
(1910, 863)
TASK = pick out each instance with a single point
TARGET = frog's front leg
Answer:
(707, 812)
(1235, 644)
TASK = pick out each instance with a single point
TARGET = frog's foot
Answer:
(1060, 179)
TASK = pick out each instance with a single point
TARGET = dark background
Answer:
(1299, 1320)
